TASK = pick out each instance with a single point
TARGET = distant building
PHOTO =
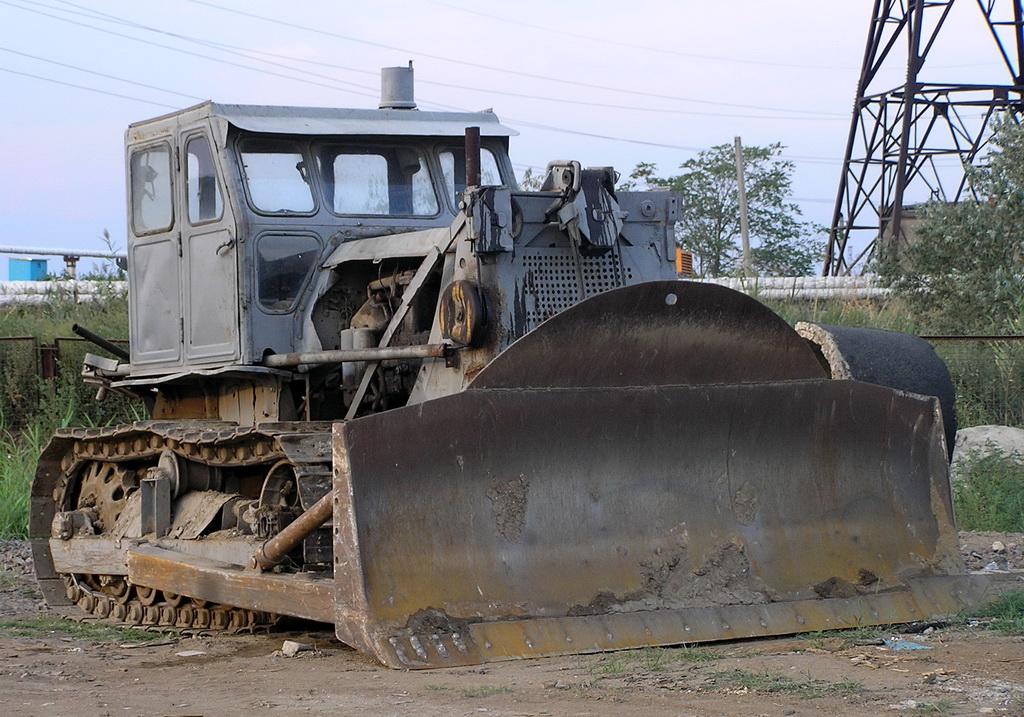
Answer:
(26, 269)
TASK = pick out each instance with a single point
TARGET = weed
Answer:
(690, 653)
(651, 659)
(1006, 613)
(437, 688)
(485, 691)
(989, 493)
(87, 631)
(31, 408)
(776, 682)
(8, 580)
(841, 639)
(942, 707)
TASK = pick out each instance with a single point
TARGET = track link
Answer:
(188, 614)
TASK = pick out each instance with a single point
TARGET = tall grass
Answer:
(18, 456)
(31, 408)
(1006, 613)
(988, 493)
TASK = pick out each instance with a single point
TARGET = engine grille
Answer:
(552, 285)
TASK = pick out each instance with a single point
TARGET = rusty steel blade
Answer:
(652, 334)
(497, 523)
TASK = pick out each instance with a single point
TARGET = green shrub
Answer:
(988, 493)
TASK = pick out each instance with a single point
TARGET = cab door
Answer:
(154, 258)
(209, 257)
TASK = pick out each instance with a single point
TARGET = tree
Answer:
(965, 270)
(531, 182)
(709, 219)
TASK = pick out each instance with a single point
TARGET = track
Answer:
(98, 470)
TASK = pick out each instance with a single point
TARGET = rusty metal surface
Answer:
(514, 639)
(274, 550)
(656, 333)
(504, 505)
(355, 355)
(100, 555)
(306, 445)
(304, 596)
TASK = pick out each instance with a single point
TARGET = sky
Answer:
(607, 83)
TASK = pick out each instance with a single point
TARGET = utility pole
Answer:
(744, 228)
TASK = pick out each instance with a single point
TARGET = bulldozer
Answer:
(462, 422)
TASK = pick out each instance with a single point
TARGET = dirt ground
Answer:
(45, 670)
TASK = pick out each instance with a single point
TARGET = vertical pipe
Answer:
(48, 363)
(472, 156)
(742, 196)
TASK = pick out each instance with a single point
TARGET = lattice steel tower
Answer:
(907, 143)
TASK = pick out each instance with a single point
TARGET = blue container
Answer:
(26, 269)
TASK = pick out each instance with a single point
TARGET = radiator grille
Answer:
(552, 284)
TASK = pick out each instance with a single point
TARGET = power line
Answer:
(246, 52)
(100, 74)
(177, 49)
(524, 123)
(222, 47)
(529, 75)
(631, 46)
(83, 87)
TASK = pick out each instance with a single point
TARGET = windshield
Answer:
(380, 181)
(383, 178)
(277, 176)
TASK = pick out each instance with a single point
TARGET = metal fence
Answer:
(988, 373)
(38, 378)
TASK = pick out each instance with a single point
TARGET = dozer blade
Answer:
(590, 504)
(521, 523)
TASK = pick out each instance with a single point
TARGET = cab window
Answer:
(283, 261)
(152, 199)
(204, 200)
(453, 165)
(376, 181)
(276, 176)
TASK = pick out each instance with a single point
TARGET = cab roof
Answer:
(336, 121)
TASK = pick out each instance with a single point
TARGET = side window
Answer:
(388, 182)
(453, 164)
(276, 175)
(152, 200)
(283, 261)
(204, 200)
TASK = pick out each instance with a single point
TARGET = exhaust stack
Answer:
(396, 88)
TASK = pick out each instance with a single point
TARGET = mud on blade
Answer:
(542, 521)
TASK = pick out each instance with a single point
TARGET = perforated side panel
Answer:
(553, 285)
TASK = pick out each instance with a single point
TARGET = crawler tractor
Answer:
(462, 422)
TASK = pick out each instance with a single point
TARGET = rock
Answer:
(998, 547)
(290, 648)
(189, 653)
(982, 441)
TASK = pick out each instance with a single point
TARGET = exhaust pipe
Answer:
(396, 88)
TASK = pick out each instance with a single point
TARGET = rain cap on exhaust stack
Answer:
(396, 88)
